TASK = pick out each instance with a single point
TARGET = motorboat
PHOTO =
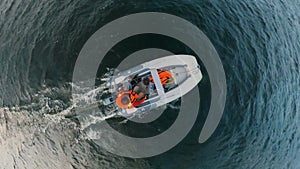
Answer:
(154, 84)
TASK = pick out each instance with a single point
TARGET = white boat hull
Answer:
(184, 69)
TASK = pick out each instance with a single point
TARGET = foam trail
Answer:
(87, 99)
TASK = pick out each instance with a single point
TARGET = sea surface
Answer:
(258, 43)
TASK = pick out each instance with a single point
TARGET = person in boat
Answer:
(142, 88)
(127, 85)
(135, 80)
(134, 97)
(140, 92)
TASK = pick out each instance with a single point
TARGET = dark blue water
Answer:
(258, 43)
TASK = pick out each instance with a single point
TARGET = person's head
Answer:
(126, 86)
(146, 81)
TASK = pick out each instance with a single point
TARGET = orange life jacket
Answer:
(163, 75)
(133, 96)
